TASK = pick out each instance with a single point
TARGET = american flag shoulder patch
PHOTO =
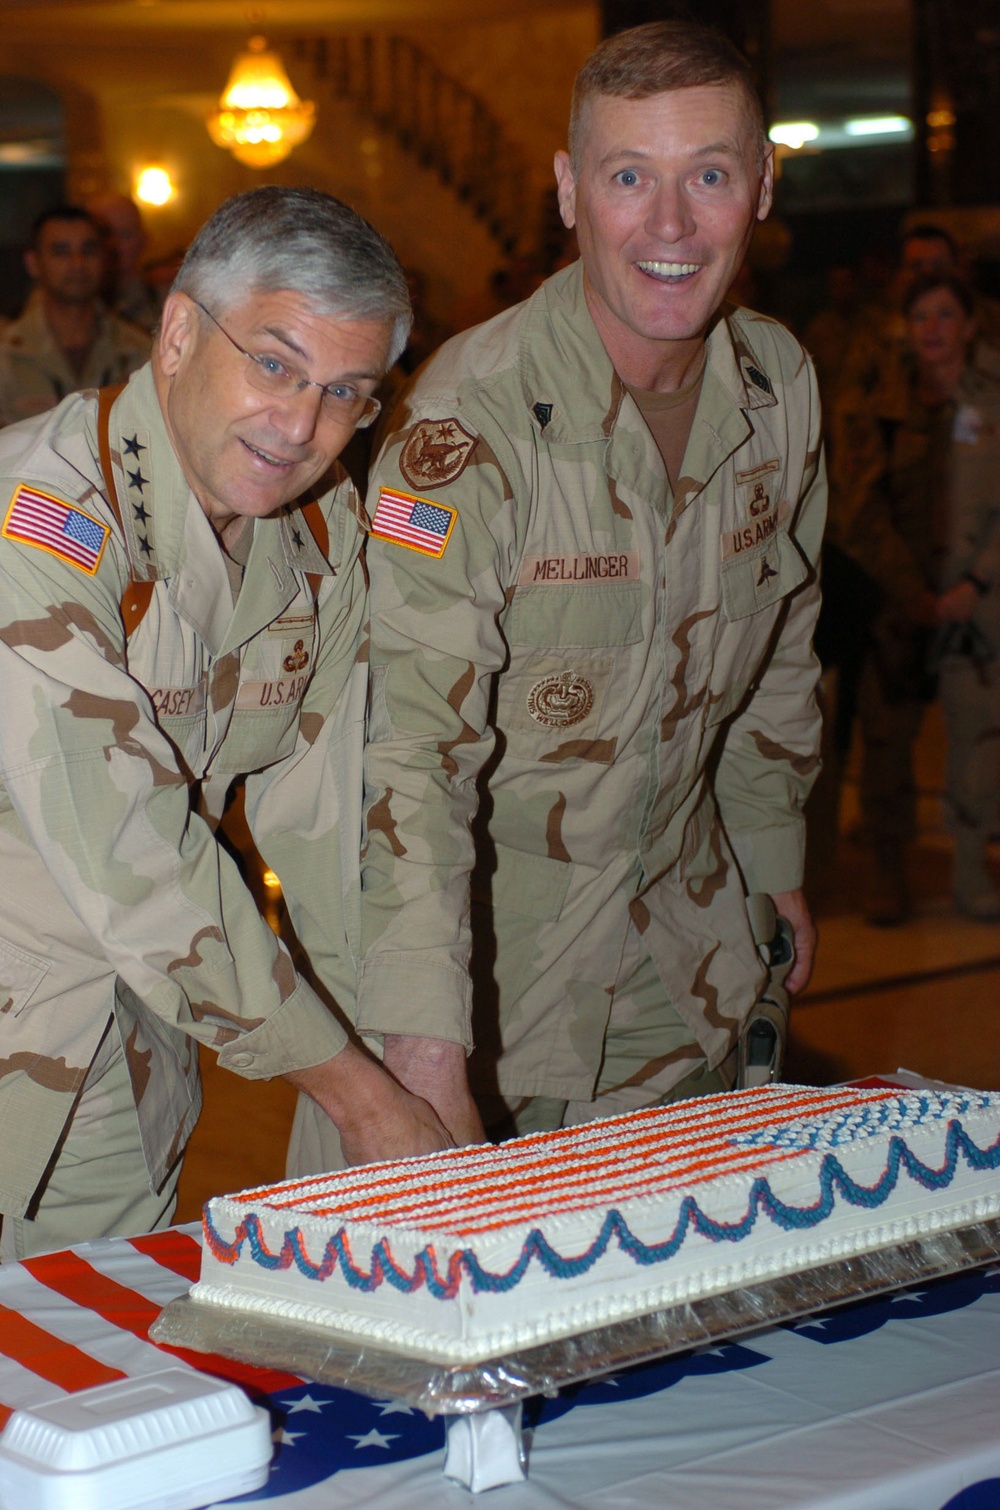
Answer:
(414, 522)
(62, 529)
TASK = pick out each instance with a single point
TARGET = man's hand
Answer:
(793, 906)
(376, 1118)
(434, 1068)
(958, 604)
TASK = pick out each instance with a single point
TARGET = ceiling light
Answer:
(260, 118)
(154, 186)
(879, 125)
(793, 134)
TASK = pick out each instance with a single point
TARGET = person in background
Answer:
(928, 533)
(595, 523)
(125, 289)
(65, 340)
(184, 604)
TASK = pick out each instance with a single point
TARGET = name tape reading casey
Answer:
(615, 566)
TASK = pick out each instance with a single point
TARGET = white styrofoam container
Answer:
(174, 1440)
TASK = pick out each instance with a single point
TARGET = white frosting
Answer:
(456, 1202)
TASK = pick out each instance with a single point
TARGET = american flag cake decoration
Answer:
(472, 1252)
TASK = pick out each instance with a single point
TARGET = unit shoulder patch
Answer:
(417, 523)
(50, 524)
(436, 452)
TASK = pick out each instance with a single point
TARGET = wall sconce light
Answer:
(154, 186)
(260, 118)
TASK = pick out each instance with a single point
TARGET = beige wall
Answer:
(146, 101)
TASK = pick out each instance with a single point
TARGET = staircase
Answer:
(442, 124)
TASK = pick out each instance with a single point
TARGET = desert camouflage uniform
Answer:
(619, 678)
(931, 516)
(34, 372)
(115, 760)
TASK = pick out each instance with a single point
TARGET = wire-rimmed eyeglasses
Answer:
(272, 374)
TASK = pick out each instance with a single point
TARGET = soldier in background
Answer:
(125, 289)
(595, 524)
(179, 608)
(928, 533)
(65, 340)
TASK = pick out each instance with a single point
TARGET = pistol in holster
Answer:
(761, 1049)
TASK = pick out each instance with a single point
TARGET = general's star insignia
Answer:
(136, 479)
(299, 542)
(133, 446)
(141, 512)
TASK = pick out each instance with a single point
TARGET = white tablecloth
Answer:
(893, 1404)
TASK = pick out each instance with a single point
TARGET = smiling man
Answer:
(184, 604)
(595, 523)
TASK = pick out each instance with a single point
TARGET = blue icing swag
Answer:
(833, 1181)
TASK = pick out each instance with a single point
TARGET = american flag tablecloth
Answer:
(893, 1404)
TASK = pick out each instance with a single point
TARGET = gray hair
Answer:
(305, 241)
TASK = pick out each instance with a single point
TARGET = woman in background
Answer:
(928, 532)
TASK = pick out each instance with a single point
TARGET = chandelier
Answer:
(260, 118)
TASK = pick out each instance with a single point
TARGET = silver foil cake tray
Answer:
(459, 1389)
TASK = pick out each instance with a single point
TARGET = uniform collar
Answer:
(168, 536)
(570, 385)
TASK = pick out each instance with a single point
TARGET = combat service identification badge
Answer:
(414, 522)
(435, 453)
(36, 518)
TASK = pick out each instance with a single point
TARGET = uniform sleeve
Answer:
(770, 757)
(305, 811)
(436, 645)
(97, 789)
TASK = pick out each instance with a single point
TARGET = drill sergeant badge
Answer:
(435, 453)
(561, 700)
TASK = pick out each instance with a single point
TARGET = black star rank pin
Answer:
(133, 447)
(136, 479)
(144, 546)
(299, 542)
(141, 512)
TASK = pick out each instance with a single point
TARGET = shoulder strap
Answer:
(137, 595)
(314, 517)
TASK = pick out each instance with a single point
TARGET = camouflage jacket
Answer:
(932, 513)
(34, 372)
(625, 677)
(115, 758)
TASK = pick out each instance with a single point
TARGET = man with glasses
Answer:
(183, 605)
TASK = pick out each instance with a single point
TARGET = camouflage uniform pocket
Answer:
(757, 580)
(20, 976)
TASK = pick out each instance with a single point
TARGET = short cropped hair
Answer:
(928, 283)
(657, 58)
(927, 231)
(304, 241)
(62, 212)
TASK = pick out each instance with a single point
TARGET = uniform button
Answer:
(241, 1061)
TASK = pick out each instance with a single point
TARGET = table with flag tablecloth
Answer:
(890, 1404)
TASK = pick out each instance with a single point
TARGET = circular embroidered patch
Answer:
(436, 452)
(560, 700)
